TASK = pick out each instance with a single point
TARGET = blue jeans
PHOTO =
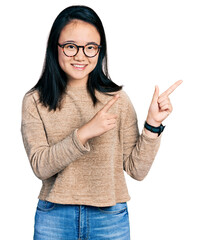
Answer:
(55, 221)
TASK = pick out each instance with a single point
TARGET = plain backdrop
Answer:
(149, 43)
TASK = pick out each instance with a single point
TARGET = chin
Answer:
(77, 78)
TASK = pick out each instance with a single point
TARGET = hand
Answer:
(160, 106)
(99, 124)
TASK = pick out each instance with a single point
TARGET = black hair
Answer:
(53, 80)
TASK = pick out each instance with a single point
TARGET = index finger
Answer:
(172, 88)
(110, 103)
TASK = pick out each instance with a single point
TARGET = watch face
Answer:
(161, 129)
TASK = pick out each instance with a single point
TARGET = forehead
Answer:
(79, 32)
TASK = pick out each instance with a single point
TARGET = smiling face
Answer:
(78, 67)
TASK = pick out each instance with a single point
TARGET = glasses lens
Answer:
(91, 50)
(70, 49)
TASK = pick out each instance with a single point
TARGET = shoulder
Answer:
(124, 99)
(30, 99)
(127, 106)
(124, 96)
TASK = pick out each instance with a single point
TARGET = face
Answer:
(77, 68)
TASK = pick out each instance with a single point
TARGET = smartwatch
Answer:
(158, 130)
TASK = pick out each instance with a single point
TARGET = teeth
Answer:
(80, 66)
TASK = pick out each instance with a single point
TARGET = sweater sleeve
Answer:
(139, 150)
(46, 160)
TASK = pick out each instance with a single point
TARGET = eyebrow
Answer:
(71, 41)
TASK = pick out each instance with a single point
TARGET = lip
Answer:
(79, 66)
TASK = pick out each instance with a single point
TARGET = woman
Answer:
(80, 132)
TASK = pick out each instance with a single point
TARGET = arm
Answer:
(46, 160)
(139, 150)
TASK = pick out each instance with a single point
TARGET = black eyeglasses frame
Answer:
(78, 47)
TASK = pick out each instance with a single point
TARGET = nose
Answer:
(80, 55)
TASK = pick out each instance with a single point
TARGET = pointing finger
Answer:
(110, 103)
(172, 88)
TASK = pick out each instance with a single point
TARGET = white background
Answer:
(165, 44)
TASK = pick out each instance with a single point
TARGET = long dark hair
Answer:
(53, 80)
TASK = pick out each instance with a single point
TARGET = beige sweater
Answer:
(92, 174)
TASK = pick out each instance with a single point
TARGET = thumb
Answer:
(156, 94)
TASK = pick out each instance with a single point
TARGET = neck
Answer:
(77, 82)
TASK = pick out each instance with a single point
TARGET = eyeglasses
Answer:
(71, 49)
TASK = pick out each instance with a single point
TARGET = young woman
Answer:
(80, 132)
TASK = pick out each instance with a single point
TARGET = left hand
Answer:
(160, 106)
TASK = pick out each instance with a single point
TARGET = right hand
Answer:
(99, 124)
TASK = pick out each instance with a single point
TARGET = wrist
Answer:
(82, 135)
(152, 122)
(154, 129)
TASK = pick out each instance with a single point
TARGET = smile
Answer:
(79, 66)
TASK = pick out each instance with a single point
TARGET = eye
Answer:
(70, 47)
(91, 47)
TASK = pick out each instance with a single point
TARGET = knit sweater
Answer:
(90, 174)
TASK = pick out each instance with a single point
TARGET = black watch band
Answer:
(158, 130)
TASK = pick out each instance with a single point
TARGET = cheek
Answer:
(94, 62)
(62, 61)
